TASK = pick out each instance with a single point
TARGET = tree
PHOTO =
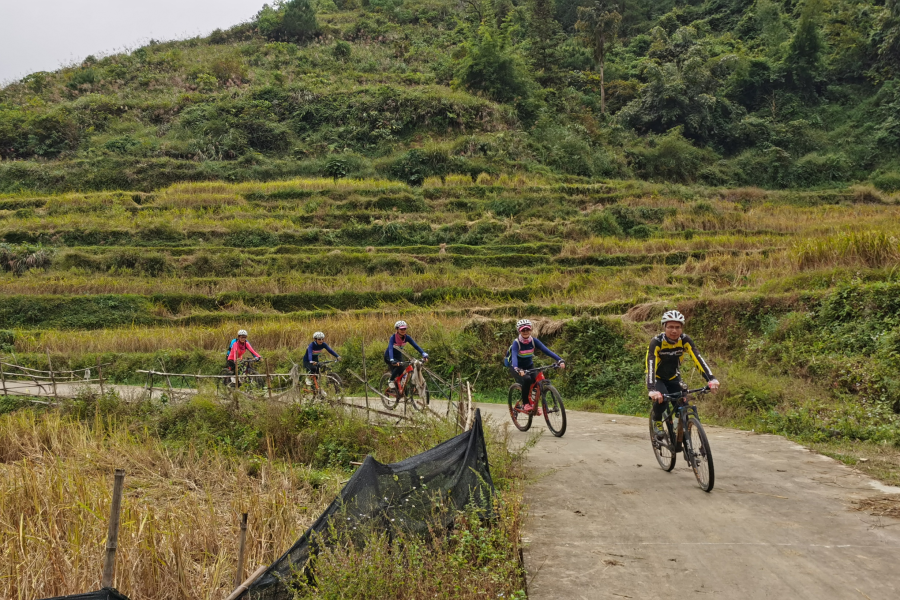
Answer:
(598, 25)
(546, 35)
(805, 59)
(493, 67)
(291, 21)
(889, 47)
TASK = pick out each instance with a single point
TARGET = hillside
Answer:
(770, 93)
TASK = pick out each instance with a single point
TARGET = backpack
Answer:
(507, 360)
(227, 352)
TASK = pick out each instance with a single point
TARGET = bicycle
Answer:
(701, 460)
(543, 392)
(246, 377)
(407, 389)
(331, 389)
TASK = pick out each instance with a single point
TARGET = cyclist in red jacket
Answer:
(239, 348)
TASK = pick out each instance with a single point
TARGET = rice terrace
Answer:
(270, 297)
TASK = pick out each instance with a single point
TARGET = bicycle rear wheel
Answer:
(664, 454)
(388, 397)
(700, 455)
(520, 418)
(554, 411)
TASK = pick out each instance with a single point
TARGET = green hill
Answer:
(770, 93)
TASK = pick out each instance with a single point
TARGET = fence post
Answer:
(100, 375)
(470, 413)
(52, 379)
(109, 562)
(269, 386)
(3, 378)
(239, 576)
(362, 345)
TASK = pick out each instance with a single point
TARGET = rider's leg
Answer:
(396, 374)
(663, 387)
(230, 365)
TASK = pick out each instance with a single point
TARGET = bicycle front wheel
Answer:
(664, 454)
(333, 388)
(419, 398)
(700, 455)
(554, 411)
(388, 397)
(520, 418)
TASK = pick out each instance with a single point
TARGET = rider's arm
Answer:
(333, 353)
(539, 345)
(416, 346)
(390, 350)
(309, 354)
(698, 360)
(651, 362)
(251, 350)
(514, 355)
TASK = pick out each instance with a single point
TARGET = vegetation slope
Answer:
(772, 93)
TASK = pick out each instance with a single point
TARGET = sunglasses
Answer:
(526, 330)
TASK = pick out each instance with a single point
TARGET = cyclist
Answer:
(520, 358)
(311, 358)
(239, 347)
(663, 365)
(393, 358)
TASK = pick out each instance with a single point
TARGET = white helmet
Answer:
(522, 323)
(242, 332)
(400, 324)
(318, 335)
(672, 315)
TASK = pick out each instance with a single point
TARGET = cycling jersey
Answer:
(314, 350)
(239, 349)
(521, 356)
(392, 356)
(664, 358)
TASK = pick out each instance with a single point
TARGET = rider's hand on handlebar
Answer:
(521, 372)
(713, 384)
(561, 364)
(656, 396)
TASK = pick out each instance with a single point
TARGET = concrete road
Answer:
(606, 522)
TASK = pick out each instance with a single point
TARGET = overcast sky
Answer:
(42, 35)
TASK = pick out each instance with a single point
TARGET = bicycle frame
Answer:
(323, 369)
(537, 385)
(411, 367)
(684, 410)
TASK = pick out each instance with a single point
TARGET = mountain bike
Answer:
(545, 399)
(411, 387)
(689, 438)
(247, 377)
(323, 385)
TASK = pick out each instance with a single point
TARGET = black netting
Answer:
(403, 495)
(104, 594)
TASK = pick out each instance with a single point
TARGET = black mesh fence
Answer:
(412, 495)
(104, 594)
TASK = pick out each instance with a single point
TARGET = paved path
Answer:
(606, 522)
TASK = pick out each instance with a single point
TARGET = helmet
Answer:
(672, 315)
(318, 335)
(400, 325)
(522, 324)
(242, 332)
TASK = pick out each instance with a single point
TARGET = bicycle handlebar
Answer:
(685, 393)
(539, 369)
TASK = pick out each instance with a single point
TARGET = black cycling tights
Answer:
(665, 387)
(526, 383)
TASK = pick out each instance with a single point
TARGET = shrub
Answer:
(887, 182)
(290, 21)
(341, 50)
(670, 158)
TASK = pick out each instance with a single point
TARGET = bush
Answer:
(887, 182)
(670, 158)
(290, 21)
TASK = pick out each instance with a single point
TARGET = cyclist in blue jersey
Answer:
(311, 358)
(521, 359)
(393, 358)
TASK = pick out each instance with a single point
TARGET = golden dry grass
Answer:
(179, 528)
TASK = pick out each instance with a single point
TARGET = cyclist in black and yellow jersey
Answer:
(663, 365)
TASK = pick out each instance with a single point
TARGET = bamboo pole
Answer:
(240, 589)
(268, 384)
(3, 378)
(470, 413)
(52, 379)
(362, 344)
(100, 375)
(239, 576)
(109, 562)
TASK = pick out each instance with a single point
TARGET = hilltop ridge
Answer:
(775, 94)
